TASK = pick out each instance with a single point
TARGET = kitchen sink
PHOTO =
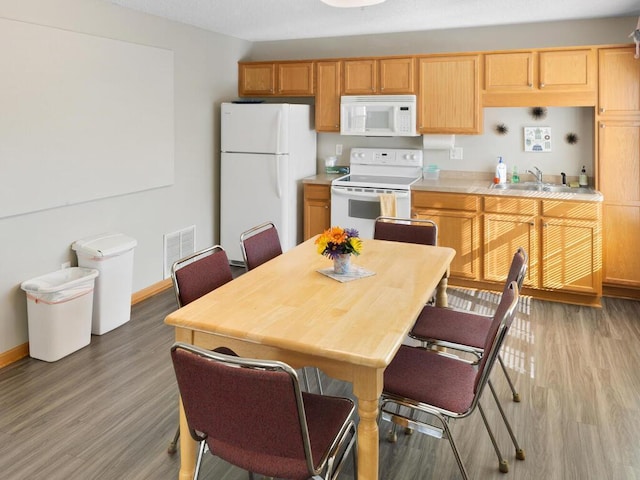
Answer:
(540, 187)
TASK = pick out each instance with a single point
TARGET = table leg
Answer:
(187, 449)
(368, 390)
(441, 291)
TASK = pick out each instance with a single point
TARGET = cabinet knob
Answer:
(530, 84)
(602, 110)
(602, 125)
(542, 85)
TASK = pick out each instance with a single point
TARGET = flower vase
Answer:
(342, 263)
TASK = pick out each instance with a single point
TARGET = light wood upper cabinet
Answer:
(290, 79)
(619, 82)
(379, 76)
(540, 77)
(449, 94)
(256, 78)
(509, 71)
(328, 80)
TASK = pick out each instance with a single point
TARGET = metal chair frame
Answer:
(443, 416)
(422, 222)
(183, 262)
(344, 441)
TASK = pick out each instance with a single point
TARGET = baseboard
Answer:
(150, 291)
(14, 354)
(21, 351)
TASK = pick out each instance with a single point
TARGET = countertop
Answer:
(471, 183)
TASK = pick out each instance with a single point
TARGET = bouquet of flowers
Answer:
(339, 241)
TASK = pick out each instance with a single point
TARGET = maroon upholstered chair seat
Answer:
(407, 230)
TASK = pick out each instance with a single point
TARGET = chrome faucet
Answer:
(537, 174)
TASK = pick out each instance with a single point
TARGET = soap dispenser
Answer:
(501, 172)
(582, 181)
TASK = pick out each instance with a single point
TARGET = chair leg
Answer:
(503, 465)
(305, 377)
(520, 455)
(516, 395)
(319, 380)
(173, 446)
(456, 453)
(201, 450)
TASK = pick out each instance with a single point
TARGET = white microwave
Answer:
(378, 115)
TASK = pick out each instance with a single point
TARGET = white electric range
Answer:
(374, 172)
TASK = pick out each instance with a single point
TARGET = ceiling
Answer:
(263, 20)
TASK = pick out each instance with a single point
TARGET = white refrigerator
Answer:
(266, 150)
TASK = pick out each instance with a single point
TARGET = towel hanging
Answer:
(388, 206)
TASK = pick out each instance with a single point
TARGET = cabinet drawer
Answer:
(564, 209)
(513, 205)
(447, 201)
(317, 192)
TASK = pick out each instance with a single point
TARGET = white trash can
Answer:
(59, 307)
(112, 255)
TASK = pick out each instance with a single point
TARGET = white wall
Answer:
(205, 75)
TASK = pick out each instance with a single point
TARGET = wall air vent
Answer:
(178, 245)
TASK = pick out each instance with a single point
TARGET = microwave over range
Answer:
(378, 115)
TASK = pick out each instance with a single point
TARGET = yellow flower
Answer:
(336, 241)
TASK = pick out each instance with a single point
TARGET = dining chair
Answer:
(194, 276)
(463, 330)
(253, 414)
(445, 387)
(260, 244)
(408, 230)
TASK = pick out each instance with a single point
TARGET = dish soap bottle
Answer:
(515, 178)
(501, 171)
(582, 181)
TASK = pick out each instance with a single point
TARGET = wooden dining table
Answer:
(287, 310)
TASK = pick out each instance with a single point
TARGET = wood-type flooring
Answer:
(108, 411)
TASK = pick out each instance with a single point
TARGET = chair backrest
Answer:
(260, 244)
(502, 319)
(518, 268)
(200, 273)
(250, 412)
(407, 230)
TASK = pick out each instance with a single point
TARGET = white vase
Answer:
(342, 263)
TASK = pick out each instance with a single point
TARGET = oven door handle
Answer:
(350, 193)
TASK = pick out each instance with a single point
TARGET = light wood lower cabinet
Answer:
(562, 239)
(317, 209)
(458, 227)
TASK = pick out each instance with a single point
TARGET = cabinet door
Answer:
(295, 79)
(621, 231)
(458, 230)
(619, 82)
(256, 79)
(449, 97)
(571, 255)
(360, 77)
(328, 96)
(567, 70)
(503, 234)
(397, 75)
(317, 209)
(619, 182)
(509, 71)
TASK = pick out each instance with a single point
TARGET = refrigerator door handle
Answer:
(278, 182)
(279, 131)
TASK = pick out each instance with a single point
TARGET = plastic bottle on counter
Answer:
(515, 178)
(583, 181)
(501, 172)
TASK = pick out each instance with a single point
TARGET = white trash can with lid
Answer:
(112, 255)
(59, 307)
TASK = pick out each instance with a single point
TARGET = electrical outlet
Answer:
(65, 265)
(455, 153)
(338, 149)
